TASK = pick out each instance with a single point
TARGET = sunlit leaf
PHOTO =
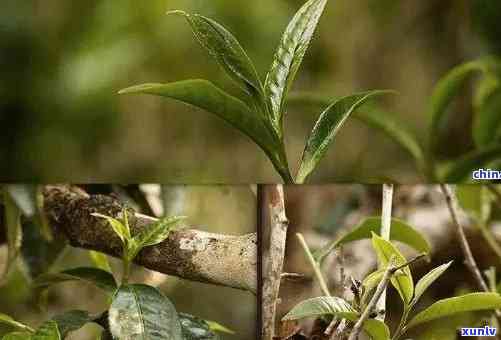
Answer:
(95, 276)
(400, 231)
(459, 304)
(335, 306)
(47, 331)
(326, 128)
(487, 118)
(142, 312)
(100, 260)
(205, 95)
(462, 169)
(427, 280)
(13, 323)
(195, 328)
(288, 57)
(157, 232)
(372, 116)
(386, 251)
(217, 327)
(118, 227)
(227, 51)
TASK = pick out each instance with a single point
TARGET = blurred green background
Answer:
(61, 64)
(227, 210)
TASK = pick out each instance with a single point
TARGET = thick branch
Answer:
(187, 253)
(275, 258)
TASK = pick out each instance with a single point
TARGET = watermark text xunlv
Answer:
(478, 331)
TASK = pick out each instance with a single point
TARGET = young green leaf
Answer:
(319, 306)
(400, 231)
(12, 221)
(17, 336)
(487, 119)
(100, 260)
(47, 331)
(157, 232)
(427, 280)
(376, 329)
(121, 229)
(217, 327)
(327, 127)
(385, 251)
(288, 57)
(476, 200)
(143, 312)
(227, 51)
(205, 95)
(459, 304)
(446, 89)
(100, 278)
(372, 116)
(195, 328)
(13, 323)
(462, 169)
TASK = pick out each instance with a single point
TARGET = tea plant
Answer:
(486, 127)
(393, 268)
(135, 310)
(260, 114)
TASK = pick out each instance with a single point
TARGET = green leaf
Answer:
(327, 127)
(459, 304)
(427, 280)
(385, 251)
(217, 327)
(375, 118)
(372, 280)
(227, 51)
(157, 232)
(205, 95)
(12, 221)
(288, 57)
(143, 312)
(195, 328)
(47, 331)
(17, 336)
(13, 323)
(121, 229)
(400, 231)
(100, 260)
(447, 89)
(462, 169)
(71, 321)
(475, 200)
(332, 305)
(322, 305)
(98, 277)
(487, 118)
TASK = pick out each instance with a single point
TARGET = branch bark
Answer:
(188, 253)
(275, 259)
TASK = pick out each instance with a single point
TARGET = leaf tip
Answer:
(177, 12)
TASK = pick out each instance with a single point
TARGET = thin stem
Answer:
(385, 234)
(470, 262)
(401, 324)
(314, 264)
(381, 288)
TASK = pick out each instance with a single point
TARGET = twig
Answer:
(470, 262)
(274, 266)
(385, 234)
(381, 288)
(314, 265)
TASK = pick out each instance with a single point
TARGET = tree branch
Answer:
(275, 258)
(188, 253)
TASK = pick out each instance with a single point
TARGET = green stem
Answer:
(126, 271)
(314, 264)
(401, 325)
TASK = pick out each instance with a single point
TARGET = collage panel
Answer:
(146, 261)
(353, 261)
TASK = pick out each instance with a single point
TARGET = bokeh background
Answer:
(219, 209)
(61, 64)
